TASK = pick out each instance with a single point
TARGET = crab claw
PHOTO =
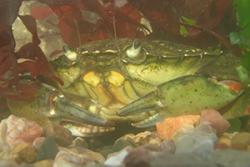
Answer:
(147, 103)
(185, 95)
(66, 109)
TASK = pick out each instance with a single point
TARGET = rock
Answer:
(116, 159)
(241, 141)
(123, 142)
(199, 140)
(62, 135)
(225, 141)
(37, 143)
(4, 163)
(170, 126)
(77, 158)
(139, 139)
(48, 149)
(180, 160)
(168, 146)
(27, 154)
(139, 157)
(44, 163)
(20, 130)
(79, 142)
(215, 119)
(231, 158)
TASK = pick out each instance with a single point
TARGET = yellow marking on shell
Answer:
(119, 94)
(92, 78)
(99, 93)
(115, 78)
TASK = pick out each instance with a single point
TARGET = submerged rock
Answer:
(231, 158)
(19, 130)
(215, 119)
(62, 135)
(4, 163)
(139, 139)
(180, 160)
(201, 139)
(27, 154)
(241, 141)
(48, 149)
(171, 126)
(139, 157)
(77, 158)
(44, 163)
(116, 159)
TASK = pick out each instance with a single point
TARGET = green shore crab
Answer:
(137, 81)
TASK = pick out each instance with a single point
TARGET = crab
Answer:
(137, 81)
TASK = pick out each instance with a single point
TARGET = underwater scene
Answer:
(123, 83)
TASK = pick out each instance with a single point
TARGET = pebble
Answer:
(139, 157)
(116, 159)
(19, 130)
(77, 158)
(27, 154)
(5, 163)
(79, 142)
(62, 136)
(139, 139)
(44, 163)
(200, 139)
(215, 119)
(48, 149)
(241, 141)
(231, 158)
(170, 126)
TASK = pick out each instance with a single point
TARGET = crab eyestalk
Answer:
(185, 95)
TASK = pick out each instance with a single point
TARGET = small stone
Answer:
(223, 143)
(20, 130)
(139, 139)
(180, 160)
(5, 163)
(48, 149)
(139, 157)
(121, 143)
(27, 154)
(116, 159)
(201, 140)
(62, 135)
(215, 119)
(77, 158)
(170, 126)
(168, 146)
(248, 148)
(231, 158)
(38, 142)
(44, 163)
(79, 142)
(241, 141)
(225, 140)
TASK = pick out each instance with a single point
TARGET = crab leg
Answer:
(185, 95)
(69, 110)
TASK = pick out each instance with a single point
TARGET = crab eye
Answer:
(135, 53)
(69, 53)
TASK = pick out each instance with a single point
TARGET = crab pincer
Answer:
(184, 95)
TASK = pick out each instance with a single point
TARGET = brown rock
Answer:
(241, 141)
(62, 135)
(27, 154)
(44, 163)
(139, 157)
(215, 119)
